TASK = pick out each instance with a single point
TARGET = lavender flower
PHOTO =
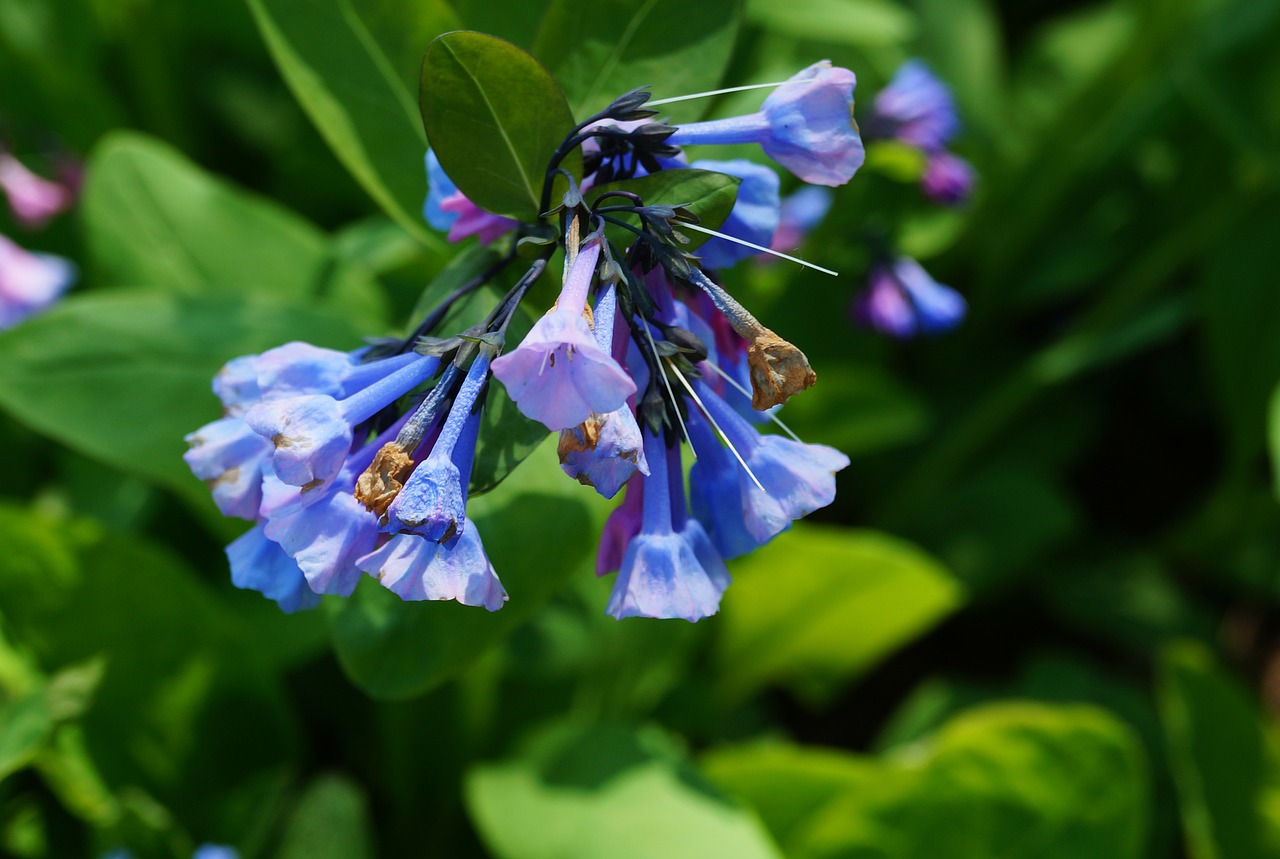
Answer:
(29, 282)
(33, 200)
(806, 125)
(915, 108)
(415, 568)
(755, 213)
(948, 179)
(446, 208)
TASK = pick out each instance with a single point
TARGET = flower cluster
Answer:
(358, 463)
(30, 282)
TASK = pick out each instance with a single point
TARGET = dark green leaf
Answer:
(124, 376)
(154, 219)
(331, 822)
(494, 117)
(1226, 761)
(600, 50)
(536, 534)
(354, 96)
(25, 725)
(582, 793)
(707, 194)
(860, 23)
(821, 604)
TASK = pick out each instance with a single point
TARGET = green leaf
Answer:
(394, 649)
(1011, 780)
(155, 219)
(860, 23)
(355, 97)
(705, 193)
(822, 604)
(494, 117)
(330, 822)
(25, 726)
(124, 376)
(581, 793)
(600, 50)
(1226, 761)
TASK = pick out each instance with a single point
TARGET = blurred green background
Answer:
(1040, 620)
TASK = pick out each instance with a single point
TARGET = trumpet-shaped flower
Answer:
(559, 375)
(415, 568)
(755, 213)
(915, 108)
(260, 565)
(806, 125)
(229, 457)
(903, 300)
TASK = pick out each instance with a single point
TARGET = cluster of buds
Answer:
(359, 463)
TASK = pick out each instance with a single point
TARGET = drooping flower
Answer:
(661, 575)
(948, 179)
(261, 565)
(755, 213)
(559, 375)
(901, 299)
(806, 125)
(229, 457)
(414, 568)
(915, 108)
(33, 199)
(29, 282)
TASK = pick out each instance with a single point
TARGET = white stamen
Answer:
(759, 248)
(719, 431)
(710, 93)
(670, 393)
(738, 385)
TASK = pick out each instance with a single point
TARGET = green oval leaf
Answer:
(494, 117)
(602, 49)
(353, 94)
(706, 193)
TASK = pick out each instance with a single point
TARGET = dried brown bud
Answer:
(382, 481)
(584, 437)
(778, 370)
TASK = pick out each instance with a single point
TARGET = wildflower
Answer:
(33, 200)
(754, 216)
(915, 108)
(559, 375)
(415, 568)
(948, 179)
(902, 299)
(806, 125)
(261, 565)
(661, 575)
(29, 282)
(800, 214)
(448, 209)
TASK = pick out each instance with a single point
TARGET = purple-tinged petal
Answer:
(716, 494)
(471, 220)
(29, 282)
(260, 565)
(884, 306)
(34, 200)
(604, 451)
(415, 568)
(801, 213)
(916, 108)
(938, 307)
(948, 179)
(326, 539)
(661, 577)
(229, 457)
(755, 213)
(622, 525)
(811, 123)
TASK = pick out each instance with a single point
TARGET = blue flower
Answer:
(915, 108)
(948, 179)
(448, 209)
(806, 125)
(325, 539)
(661, 574)
(559, 375)
(439, 188)
(755, 213)
(29, 282)
(415, 568)
(229, 457)
(261, 565)
(903, 300)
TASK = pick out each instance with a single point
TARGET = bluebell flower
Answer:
(622, 524)
(715, 492)
(325, 539)
(312, 434)
(755, 213)
(806, 125)
(915, 108)
(604, 450)
(259, 564)
(559, 375)
(229, 457)
(903, 300)
(215, 851)
(448, 209)
(661, 575)
(433, 502)
(415, 568)
(29, 282)
(948, 179)
(439, 188)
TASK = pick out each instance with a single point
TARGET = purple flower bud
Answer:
(33, 200)
(915, 108)
(559, 375)
(806, 125)
(901, 299)
(755, 213)
(948, 179)
(414, 568)
(29, 282)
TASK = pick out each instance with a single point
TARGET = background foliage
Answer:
(1040, 621)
